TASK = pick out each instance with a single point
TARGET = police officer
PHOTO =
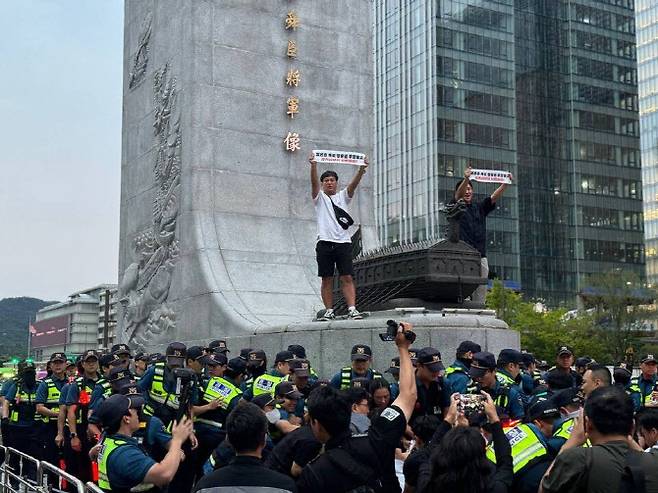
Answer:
(141, 363)
(122, 463)
(530, 452)
(456, 377)
(569, 402)
(47, 406)
(300, 376)
(506, 397)
(299, 352)
(122, 351)
(361, 355)
(218, 395)
(642, 386)
(508, 367)
(394, 370)
(563, 362)
(265, 383)
(256, 366)
(582, 363)
(159, 384)
(77, 401)
(432, 398)
(18, 415)
(219, 346)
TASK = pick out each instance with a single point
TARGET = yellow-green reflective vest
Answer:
(265, 384)
(505, 380)
(225, 391)
(108, 446)
(455, 369)
(52, 401)
(158, 394)
(565, 429)
(635, 388)
(526, 446)
(346, 377)
(23, 405)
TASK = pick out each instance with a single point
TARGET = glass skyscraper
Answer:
(647, 58)
(544, 89)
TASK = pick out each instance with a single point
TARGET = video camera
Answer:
(392, 331)
(185, 378)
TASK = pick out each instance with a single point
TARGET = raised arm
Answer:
(351, 188)
(406, 400)
(499, 191)
(461, 189)
(315, 181)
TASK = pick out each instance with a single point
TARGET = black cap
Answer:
(244, 353)
(544, 410)
(194, 352)
(214, 359)
(116, 407)
(117, 374)
(237, 365)
(566, 397)
(361, 352)
(218, 346)
(57, 357)
(26, 365)
(430, 358)
(263, 400)
(509, 356)
(283, 356)
(528, 358)
(176, 350)
(583, 361)
(301, 367)
(564, 349)
(648, 358)
(394, 368)
(106, 359)
(297, 350)
(482, 362)
(466, 346)
(131, 390)
(155, 357)
(287, 389)
(120, 349)
(256, 356)
(89, 353)
(413, 354)
(360, 383)
(142, 357)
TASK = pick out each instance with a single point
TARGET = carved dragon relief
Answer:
(141, 59)
(144, 287)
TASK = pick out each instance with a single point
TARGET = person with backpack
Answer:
(614, 463)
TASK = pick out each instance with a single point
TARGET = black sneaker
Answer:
(327, 315)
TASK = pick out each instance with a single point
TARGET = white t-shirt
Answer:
(328, 227)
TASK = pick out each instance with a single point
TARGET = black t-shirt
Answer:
(411, 466)
(473, 224)
(431, 400)
(372, 453)
(245, 471)
(299, 446)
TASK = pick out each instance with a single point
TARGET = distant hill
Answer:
(14, 316)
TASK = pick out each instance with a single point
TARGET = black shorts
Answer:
(331, 256)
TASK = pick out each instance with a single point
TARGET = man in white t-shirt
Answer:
(334, 244)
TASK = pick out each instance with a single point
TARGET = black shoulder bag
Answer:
(343, 218)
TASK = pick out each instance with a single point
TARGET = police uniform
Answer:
(122, 463)
(23, 434)
(394, 370)
(506, 397)
(300, 353)
(48, 394)
(343, 379)
(267, 382)
(641, 388)
(456, 377)
(431, 398)
(576, 378)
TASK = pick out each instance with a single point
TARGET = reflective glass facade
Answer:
(546, 90)
(647, 58)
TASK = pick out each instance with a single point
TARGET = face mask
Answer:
(573, 414)
(30, 378)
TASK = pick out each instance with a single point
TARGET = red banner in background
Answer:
(50, 332)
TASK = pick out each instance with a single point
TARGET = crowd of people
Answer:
(197, 419)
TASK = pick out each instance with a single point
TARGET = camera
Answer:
(471, 404)
(392, 331)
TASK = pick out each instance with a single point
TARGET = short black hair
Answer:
(647, 418)
(601, 372)
(327, 174)
(425, 426)
(246, 426)
(332, 408)
(378, 383)
(357, 394)
(611, 411)
(460, 182)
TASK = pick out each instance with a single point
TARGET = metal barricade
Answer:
(16, 470)
(92, 488)
(64, 480)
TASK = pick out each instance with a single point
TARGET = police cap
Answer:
(58, 357)
(237, 365)
(214, 359)
(218, 346)
(119, 349)
(194, 352)
(509, 356)
(361, 352)
(283, 356)
(116, 407)
(430, 358)
(544, 410)
(482, 362)
(301, 367)
(287, 389)
(176, 350)
(117, 374)
(89, 354)
(564, 349)
(394, 368)
(297, 350)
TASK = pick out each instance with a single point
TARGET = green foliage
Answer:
(14, 316)
(543, 331)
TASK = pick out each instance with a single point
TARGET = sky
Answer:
(60, 140)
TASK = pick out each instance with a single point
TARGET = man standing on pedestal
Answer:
(334, 244)
(473, 225)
